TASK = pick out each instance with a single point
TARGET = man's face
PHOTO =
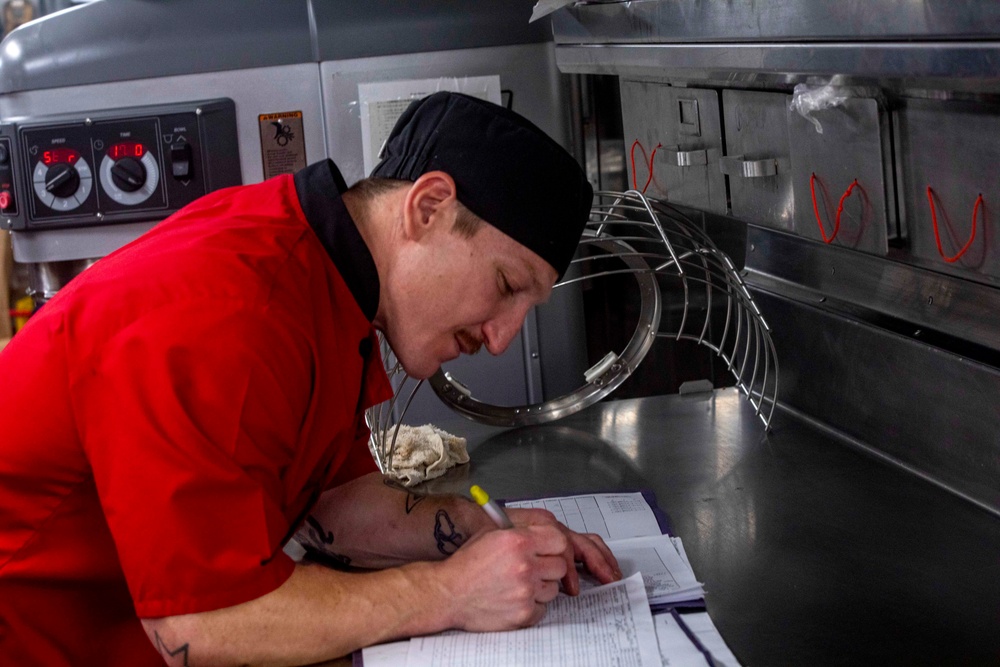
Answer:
(452, 295)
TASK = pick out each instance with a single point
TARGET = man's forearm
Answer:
(373, 523)
(498, 580)
(316, 615)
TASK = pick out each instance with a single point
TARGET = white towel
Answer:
(425, 452)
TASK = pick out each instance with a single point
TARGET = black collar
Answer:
(319, 188)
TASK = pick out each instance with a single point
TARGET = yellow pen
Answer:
(491, 508)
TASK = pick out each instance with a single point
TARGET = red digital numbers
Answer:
(129, 149)
(57, 155)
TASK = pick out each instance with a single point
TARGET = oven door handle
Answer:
(739, 167)
(689, 158)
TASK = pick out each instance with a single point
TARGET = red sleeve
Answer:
(188, 417)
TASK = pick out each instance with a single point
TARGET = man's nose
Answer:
(501, 330)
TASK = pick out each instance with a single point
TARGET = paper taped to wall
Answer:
(384, 102)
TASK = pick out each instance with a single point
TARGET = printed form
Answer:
(608, 626)
(667, 577)
(613, 516)
(676, 648)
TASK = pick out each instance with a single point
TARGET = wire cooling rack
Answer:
(666, 252)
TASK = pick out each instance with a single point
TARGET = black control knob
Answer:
(128, 174)
(62, 180)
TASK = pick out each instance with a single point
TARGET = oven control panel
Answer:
(115, 165)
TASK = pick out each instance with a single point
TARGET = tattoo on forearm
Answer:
(412, 499)
(448, 539)
(177, 656)
(318, 539)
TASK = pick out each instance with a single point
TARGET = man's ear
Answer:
(430, 202)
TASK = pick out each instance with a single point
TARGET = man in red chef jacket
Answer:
(178, 411)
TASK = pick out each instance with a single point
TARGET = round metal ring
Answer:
(603, 379)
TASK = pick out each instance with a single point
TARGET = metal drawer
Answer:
(953, 148)
(757, 157)
(683, 126)
(844, 165)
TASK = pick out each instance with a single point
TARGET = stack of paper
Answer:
(604, 625)
(684, 640)
(630, 527)
(667, 576)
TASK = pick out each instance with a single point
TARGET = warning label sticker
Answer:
(282, 144)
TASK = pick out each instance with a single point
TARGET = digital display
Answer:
(128, 149)
(57, 155)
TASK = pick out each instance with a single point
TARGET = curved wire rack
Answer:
(384, 429)
(631, 234)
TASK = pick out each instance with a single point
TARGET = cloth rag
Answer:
(425, 452)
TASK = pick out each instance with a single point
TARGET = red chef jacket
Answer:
(172, 414)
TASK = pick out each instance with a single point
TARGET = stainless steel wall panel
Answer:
(846, 156)
(757, 157)
(773, 20)
(912, 402)
(953, 148)
(683, 127)
(348, 29)
(893, 66)
(927, 300)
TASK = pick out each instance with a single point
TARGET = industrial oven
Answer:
(852, 151)
(840, 156)
(845, 153)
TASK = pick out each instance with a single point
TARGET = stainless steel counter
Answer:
(812, 552)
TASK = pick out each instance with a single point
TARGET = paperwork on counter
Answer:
(701, 627)
(677, 647)
(690, 640)
(613, 516)
(667, 577)
(606, 625)
(612, 620)
(629, 525)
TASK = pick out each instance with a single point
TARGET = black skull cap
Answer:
(507, 170)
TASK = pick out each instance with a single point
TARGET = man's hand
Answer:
(502, 579)
(586, 548)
